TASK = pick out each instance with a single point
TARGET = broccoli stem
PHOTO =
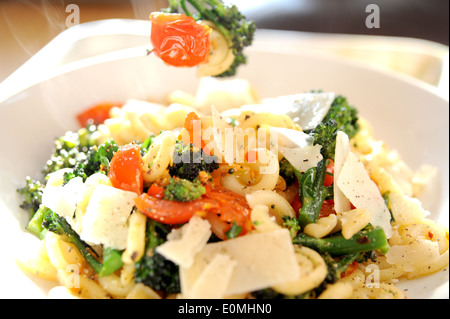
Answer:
(365, 240)
(209, 15)
(34, 226)
(57, 224)
(112, 260)
(312, 193)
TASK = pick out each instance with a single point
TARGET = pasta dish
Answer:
(222, 194)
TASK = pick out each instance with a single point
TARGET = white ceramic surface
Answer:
(409, 115)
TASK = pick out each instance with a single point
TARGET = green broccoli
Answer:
(189, 161)
(312, 192)
(51, 221)
(183, 190)
(32, 195)
(97, 159)
(345, 116)
(228, 20)
(70, 149)
(368, 239)
(153, 269)
(287, 171)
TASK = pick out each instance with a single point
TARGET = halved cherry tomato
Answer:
(179, 40)
(221, 207)
(172, 212)
(329, 178)
(232, 208)
(156, 191)
(97, 113)
(125, 169)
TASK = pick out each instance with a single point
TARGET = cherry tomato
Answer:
(193, 125)
(125, 169)
(156, 191)
(232, 208)
(329, 179)
(179, 40)
(221, 207)
(172, 212)
(97, 113)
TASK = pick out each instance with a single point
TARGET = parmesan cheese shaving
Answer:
(105, 221)
(341, 203)
(185, 242)
(219, 272)
(356, 185)
(262, 260)
(297, 147)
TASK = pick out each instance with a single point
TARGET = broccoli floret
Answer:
(189, 161)
(287, 171)
(345, 116)
(70, 149)
(228, 20)
(153, 269)
(183, 190)
(97, 159)
(292, 224)
(32, 195)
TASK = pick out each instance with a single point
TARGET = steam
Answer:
(48, 15)
(142, 8)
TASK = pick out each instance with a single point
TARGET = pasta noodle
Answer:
(268, 175)
(313, 271)
(158, 157)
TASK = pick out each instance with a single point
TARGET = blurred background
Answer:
(28, 25)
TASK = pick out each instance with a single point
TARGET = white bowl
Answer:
(408, 114)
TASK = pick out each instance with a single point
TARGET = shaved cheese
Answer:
(262, 260)
(297, 147)
(185, 242)
(355, 183)
(105, 221)
(219, 272)
(306, 109)
(63, 199)
(341, 203)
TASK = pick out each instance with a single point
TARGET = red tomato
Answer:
(125, 169)
(191, 123)
(156, 191)
(329, 179)
(171, 212)
(97, 113)
(179, 40)
(327, 208)
(350, 269)
(220, 207)
(232, 208)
